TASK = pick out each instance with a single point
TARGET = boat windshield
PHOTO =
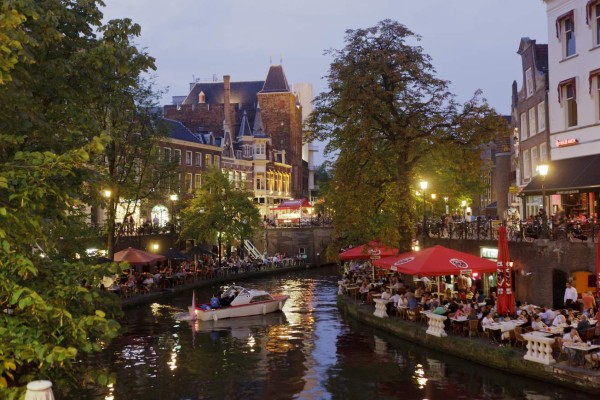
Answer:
(262, 297)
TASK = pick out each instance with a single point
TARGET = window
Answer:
(260, 181)
(217, 160)
(543, 153)
(260, 149)
(207, 159)
(534, 160)
(188, 183)
(177, 156)
(198, 159)
(571, 104)
(541, 116)
(532, 127)
(569, 36)
(526, 165)
(523, 126)
(597, 26)
(167, 153)
(529, 82)
(198, 181)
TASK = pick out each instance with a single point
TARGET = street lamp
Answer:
(433, 198)
(110, 223)
(173, 197)
(543, 171)
(423, 185)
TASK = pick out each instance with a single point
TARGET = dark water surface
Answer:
(307, 352)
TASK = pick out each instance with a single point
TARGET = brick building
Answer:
(258, 127)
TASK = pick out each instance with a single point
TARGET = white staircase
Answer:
(251, 250)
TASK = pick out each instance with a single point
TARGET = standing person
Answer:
(570, 298)
(588, 300)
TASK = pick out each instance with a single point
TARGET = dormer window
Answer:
(201, 97)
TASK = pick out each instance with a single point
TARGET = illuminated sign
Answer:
(491, 253)
(566, 142)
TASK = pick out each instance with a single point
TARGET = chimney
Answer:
(227, 103)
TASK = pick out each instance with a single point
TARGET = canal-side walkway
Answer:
(478, 350)
(220, 279)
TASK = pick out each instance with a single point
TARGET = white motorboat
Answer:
(237, 301)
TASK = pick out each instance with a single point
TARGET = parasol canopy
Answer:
(372, 250)
(173, 254)
(137, 257)
(436, 261)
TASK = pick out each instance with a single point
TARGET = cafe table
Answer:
(583, 348)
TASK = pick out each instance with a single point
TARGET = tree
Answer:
(56, 74)
(389, 120)
(219, 212)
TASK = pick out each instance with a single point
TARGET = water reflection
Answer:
(308, 351)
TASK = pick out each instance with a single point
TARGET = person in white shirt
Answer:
(570, 298)
(394, 299)
(386, 295)
(559, 320)
(537, 323)
(569, 338)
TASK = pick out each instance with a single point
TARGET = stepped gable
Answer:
(241, 92)
(276, 81)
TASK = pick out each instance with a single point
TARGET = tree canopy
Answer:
(218, 212)
(59, 69)
(391, 121)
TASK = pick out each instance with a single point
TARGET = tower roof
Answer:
(276, 81)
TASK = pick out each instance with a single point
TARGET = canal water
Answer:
(308, 351)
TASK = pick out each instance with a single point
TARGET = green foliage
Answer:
(63, 87)
(390, 120)
(218, 212)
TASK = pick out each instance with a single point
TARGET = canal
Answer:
(307, 352)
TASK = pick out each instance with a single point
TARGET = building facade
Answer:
(258, 126)
(530, 122)
(573, 181)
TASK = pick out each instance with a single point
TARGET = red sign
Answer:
(567, 142)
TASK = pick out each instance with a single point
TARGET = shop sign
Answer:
(490, 253)
(567, 191)
(567, 142)
(513, 189)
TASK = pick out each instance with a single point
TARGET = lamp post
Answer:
(446, 206)
(110, 224)
(543, 171)
(423, 185)
(463, 204)
(173, 197)
(433, 198)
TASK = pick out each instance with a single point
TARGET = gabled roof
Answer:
(241, 92)
(176, 130)
(276, 81)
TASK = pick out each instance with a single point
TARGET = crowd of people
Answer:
(145, 278)
(463, 300)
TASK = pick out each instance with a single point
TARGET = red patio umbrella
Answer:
(505, 301)
(371, 250)
(137, 257)
(436, 261)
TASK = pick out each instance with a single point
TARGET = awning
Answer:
(569, 176)
(292, 204)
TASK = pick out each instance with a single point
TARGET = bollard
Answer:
(39, 390)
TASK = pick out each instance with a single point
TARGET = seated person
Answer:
(214, 302)
(537, 324)
(559, 320)
(583, 325)
(570, 337)
(488, 320)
